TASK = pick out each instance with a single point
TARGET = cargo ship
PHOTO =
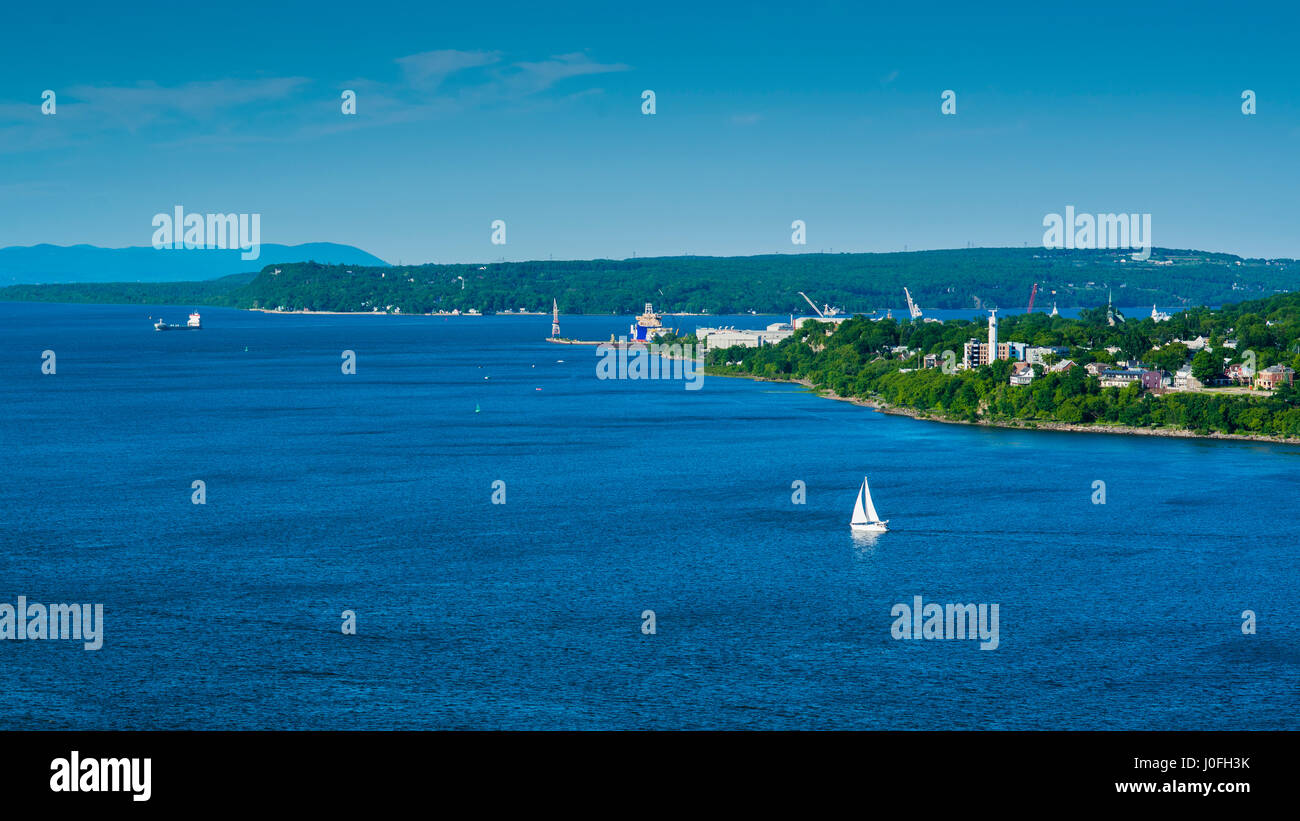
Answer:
(195, 323)
(648, 326)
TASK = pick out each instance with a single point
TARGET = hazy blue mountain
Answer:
(89, 263)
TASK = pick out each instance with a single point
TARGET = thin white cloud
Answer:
(277, 109)
(533, 77)
(149, 102)
(429, 68)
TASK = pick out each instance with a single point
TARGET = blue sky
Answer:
(531, 113)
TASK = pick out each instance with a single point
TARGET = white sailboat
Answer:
(865, 519)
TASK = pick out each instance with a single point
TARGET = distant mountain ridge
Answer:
(29, 264)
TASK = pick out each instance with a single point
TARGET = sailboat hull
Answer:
(870, 527)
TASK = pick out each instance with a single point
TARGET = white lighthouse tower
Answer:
(993, 334)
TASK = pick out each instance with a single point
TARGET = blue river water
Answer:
(373, 492)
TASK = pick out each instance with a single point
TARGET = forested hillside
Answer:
(957, 279)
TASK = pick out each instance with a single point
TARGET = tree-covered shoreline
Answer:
(863, 359)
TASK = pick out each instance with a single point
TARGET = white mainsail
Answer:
(871, 508)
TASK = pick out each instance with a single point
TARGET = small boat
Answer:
(476, 410)
(865, 519)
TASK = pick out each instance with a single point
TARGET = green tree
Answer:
(1206, 366)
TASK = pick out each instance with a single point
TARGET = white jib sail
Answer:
(859, 512)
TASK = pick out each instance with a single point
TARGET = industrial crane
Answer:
(912, 307)
(1033, 293)
(814, 307)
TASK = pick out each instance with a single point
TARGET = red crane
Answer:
(1032, 294)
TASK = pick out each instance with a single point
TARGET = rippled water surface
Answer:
(373, 493)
